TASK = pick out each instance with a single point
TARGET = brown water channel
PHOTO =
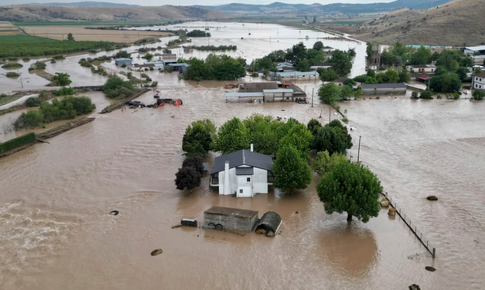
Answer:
(56, 231)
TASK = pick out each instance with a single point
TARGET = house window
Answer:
(240, 191)
(248, 179)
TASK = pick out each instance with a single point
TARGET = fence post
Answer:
(434, 253)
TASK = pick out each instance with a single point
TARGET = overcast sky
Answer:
(192, 2)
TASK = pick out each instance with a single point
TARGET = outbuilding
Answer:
(426, 68)
(268, 224)
(293, 75)
(123, 61)
(278, 95)
(384, 89)
(230, 218)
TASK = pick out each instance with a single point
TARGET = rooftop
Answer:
(481, 75)
(476, 48)
(122, 59)
(219, 210)
(322, 64)
(297, 73)
(384, 86)
(423, 66)
(242, 157)
(278, 91)
(244, 94)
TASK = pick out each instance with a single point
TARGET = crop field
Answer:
(22, 39)
(90, 23)
(60, 32)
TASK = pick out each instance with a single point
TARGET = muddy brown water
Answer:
(56, 231)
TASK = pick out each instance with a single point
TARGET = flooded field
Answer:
(56, 231)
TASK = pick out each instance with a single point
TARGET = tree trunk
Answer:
(349, 217)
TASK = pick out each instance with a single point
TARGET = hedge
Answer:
(17, 142)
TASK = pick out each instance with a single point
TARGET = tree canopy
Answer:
(351, 188)
(300, 138)
(324, 162)
(61, 79)
(198, 136)
(219, 67)
(187, 177)
(290, 170)
(231, 137)
(341, 62)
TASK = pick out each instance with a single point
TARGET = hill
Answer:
(86, 3)
(32, 13)
(316, 9)
(456, 23)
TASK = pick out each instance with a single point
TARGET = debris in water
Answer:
(176, 226)
(414, 287)
(156, 252)
(432, 198)
(429, 268)
(114, 212)
(297, 212)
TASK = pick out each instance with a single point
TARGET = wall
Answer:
(397, 91)
(260, 181)
(231, 222)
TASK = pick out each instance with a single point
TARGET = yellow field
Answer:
(80, 33)
(7, 28)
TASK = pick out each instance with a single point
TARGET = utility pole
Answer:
(358, 152)
(312, 96)
(329, 113)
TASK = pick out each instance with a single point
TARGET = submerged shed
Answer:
(269, 224)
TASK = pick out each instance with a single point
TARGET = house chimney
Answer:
(252, 147)
(227, 183)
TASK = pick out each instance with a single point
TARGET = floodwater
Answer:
(56, 231)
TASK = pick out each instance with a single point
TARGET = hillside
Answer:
(30, 13)
(86, 3)
(316, 9)
(456, 23)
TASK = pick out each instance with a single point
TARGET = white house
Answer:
(293, 75)
(244, 173)
(471, 50)
(479, 81)
(426, 68)
(327, 49)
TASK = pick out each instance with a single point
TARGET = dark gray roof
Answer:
(244, 170)
(384, 86)
(242, 157)
(219, 210)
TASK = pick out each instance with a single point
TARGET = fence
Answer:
(411, 226)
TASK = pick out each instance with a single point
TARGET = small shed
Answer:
(231, 218)
(278, 95)
(123, 61)
(269, 224)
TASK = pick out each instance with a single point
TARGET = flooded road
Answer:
(56, 231)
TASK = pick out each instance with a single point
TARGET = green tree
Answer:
(466, 62)
(195, 162)
(369, 51)
(187, 177)
(371, 73)
(346, 92)
(427, 95)
(341, 63)
(462, 73)
(361, 78)
(314, 56)
(61, 79)
(29, 119)
(262, 132)
(371, 80)
(303, 65)
(231, 137)
(392, 76)
(300, 138)
(351, 188)
(448, 59)
(325, 162)
(327, 75)
(446, 83)
(148, 56)
(313, 126)
(440, 70)
(116, 87)
(318, 45)
(297, 53)
(290, 170)
(197, 139)
(478, 95)
(329, 93)
(421, 56)
(477, 70)
(198, 70)
(70, 37)
(404, 76)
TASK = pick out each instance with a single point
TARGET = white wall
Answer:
(259, 181)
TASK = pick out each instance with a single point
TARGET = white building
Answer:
(293, 75)
(426, 68)
(244, 173)
(318, 65)
(327, 49)
(479, 81)
(471, 50)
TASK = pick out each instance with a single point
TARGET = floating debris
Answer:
(156, 252)
(429, 268)
(432, 198)
(114, 212)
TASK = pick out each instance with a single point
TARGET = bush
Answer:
(30, 119)
(478, 95)
(456, 96)
(12, 65)
(17, 142)
(33, 102)
(25, 59)
(64, 92)
(154, 84)
(428, 95)
(255, 75)
(38, 65)
(116, 87)
(414, 95)
(12, 75)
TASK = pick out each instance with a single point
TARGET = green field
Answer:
(23, 39)
(90, 23)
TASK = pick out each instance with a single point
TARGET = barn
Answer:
(384, 89)
(230, 218)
